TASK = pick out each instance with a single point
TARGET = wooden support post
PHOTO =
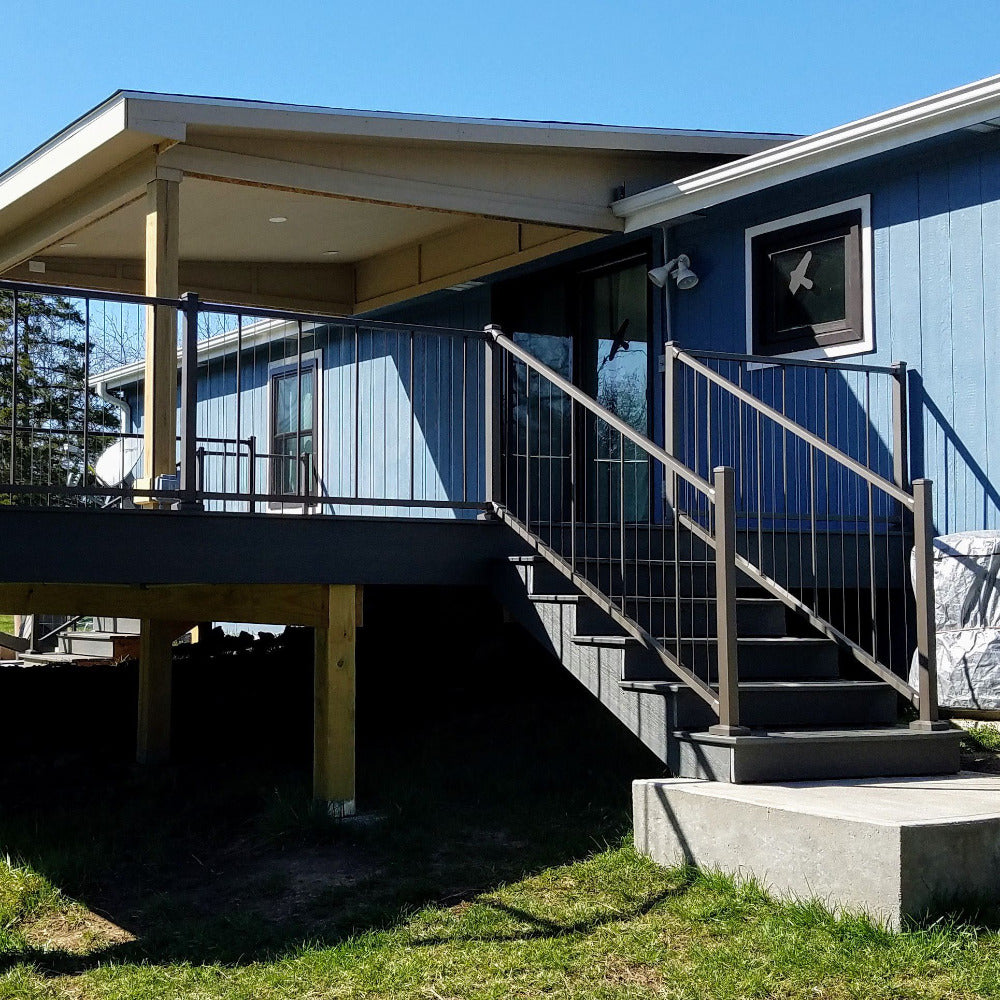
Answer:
(155, 675)
(160, 409)
(333, 727)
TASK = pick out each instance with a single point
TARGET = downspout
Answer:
(126, 410)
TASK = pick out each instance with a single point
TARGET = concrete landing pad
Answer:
(892, 847)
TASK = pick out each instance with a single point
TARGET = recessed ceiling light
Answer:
(277, 218)
(67, 246)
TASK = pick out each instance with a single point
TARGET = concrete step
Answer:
(104, 645)
(770, 658)
(770, 755)
(786, 704)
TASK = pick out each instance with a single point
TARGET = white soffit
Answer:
(961, 108)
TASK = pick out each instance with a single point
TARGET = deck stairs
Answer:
(108, 640)
(813, 714)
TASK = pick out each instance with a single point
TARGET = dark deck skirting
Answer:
(136, 547)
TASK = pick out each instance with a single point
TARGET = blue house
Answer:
(686, 402)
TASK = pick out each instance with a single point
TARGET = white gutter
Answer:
(126, 410)
(955, 109)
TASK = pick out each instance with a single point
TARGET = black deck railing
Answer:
(754, 477)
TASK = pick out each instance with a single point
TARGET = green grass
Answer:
(502, 867)
(7, 624)
(979, 737)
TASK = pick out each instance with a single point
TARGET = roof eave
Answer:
(924, 119)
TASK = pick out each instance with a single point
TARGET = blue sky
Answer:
(776, 65)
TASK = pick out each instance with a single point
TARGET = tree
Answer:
(46, 408)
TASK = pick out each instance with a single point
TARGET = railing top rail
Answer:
(234, 309)
(321, 319)
(651, 449)
(769, 361)
(880, 482)
(67, 292)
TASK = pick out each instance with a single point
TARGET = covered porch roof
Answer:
(375, 207)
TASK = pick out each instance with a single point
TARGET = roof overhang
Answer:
(380, 206)
(962, 108)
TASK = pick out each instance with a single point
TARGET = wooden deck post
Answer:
(155, 677)
(333, 721)
(160, 399)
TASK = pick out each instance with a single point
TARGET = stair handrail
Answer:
(721, 495)
(919, 503)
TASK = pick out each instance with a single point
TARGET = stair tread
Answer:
(749, 640)
(825, 735)
(837, 684)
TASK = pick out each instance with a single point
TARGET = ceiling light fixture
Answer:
(68, 246)
(331, 253)
(277, 218)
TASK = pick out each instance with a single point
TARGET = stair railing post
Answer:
(923, 590)
(724, 480)
(900, 418)
(189, 405)
(669, 422)
(491, 437)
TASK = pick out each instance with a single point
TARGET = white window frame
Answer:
(290, 364)
(867, 342)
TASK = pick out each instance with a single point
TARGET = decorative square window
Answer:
(809, 283)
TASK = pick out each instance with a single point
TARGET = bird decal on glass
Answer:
(798, 278)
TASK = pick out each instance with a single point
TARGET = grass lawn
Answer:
(7, 624)
(500, 867)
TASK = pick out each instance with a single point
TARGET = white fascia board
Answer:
(258, 116)
(85, 135)
(261, 332)
(97, 128)
(933, 116)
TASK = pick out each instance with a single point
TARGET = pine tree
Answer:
(44, 401)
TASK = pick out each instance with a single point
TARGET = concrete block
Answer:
(891, 847)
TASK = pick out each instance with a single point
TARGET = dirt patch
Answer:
(77, 931)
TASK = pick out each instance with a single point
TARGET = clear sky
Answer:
(758, 65)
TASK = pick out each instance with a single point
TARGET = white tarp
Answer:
(967, 613)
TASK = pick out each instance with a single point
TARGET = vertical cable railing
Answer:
(825, 519)
(583, 487)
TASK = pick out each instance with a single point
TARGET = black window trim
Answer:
(849, 219)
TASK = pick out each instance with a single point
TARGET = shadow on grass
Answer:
(486, 760)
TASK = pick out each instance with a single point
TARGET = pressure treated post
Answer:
(923, 588)
(725, 604)
(160, 394)
(333, 721)
(155, 684)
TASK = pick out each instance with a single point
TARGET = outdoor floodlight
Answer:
(679, 269)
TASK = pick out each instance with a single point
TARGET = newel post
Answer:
(189, 404)
(900, 423)
(491, 428)
(669, 421)
(725, 604)
(923, 590)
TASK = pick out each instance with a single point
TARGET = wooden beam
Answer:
(94, 202)
(333, 731)
(156, 640)
(403, 192)
(286, 603)
(160, 399)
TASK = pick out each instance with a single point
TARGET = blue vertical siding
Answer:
(936, 250)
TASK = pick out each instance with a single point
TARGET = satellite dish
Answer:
(119, 462)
